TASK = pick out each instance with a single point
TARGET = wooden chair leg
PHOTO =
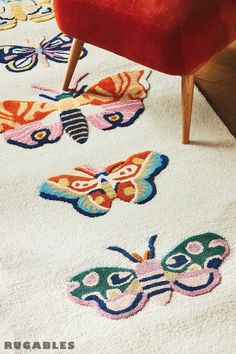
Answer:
(76, 49)
(187, 102)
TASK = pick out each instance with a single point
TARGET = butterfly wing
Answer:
(83, 190)
(34, 135)
(122, 87)
(119, 99)
(118, 114)
(18, 58)
(7, 18)
(115, 292)
(134, 178)
(58, 48)
(23, 123)
(34, 10)
(193, 265)
(38, 10)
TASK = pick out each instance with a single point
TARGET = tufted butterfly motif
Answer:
(191, 269)
(115, 101)
(23, 58)
(92, 192)
(12, 11)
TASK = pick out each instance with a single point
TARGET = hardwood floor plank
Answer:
(217, 82)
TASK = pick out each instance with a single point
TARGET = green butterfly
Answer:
(191, 268)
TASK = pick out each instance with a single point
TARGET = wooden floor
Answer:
(217, 82)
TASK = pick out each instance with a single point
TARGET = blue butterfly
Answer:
(21, 59)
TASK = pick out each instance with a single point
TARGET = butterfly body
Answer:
(38, 49)
(75, 125)
(106, 184)
(108, 189)
(72, 118)
(190, 269)
(154, 283)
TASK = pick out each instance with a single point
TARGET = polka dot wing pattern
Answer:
(114, 292)
(92, 192)
(134, 177)
(193, 264)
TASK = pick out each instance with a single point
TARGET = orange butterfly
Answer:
(92, 191)
(115, 101)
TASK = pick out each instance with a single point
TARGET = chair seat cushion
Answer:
(172, 36)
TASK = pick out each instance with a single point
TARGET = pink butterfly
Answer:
(190, 269)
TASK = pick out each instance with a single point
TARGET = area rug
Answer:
(115, 237)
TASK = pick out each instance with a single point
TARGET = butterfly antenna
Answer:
(45, 89)
(76, 82)
(80, 79)
(41, 88)
(48, 97)
(151, 246)
(81, 90)
(42, 41)
(124, 253)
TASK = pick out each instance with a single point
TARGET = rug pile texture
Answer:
(102, 206)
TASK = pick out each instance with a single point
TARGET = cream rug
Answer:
(46, 243)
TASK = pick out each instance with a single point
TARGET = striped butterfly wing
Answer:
(192, 267)
(118, 98)
(121, 87)
(24, 123)
(18, 58)
(7, 18)
(38, 10)
(58, 48)
(114, 292)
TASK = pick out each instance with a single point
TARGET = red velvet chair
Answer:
(173, 36)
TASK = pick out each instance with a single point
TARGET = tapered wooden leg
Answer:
(76, 49)
(187, 102)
